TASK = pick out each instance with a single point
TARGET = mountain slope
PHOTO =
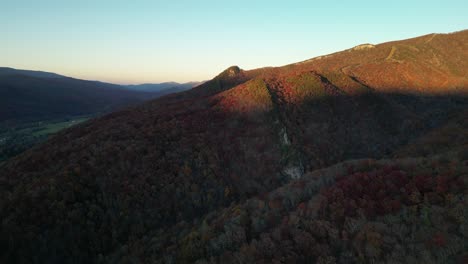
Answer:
(94, 192)
(25, 97)
(5, 71)
(409, 210)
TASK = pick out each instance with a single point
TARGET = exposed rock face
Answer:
(294, 172)
(364, 47)
(284, 137)
(233, 71)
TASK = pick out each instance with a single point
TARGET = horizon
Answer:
(201, 81)
(155, 42)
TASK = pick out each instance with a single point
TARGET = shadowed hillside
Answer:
(222, 172)
(26, 98)
(31, 101)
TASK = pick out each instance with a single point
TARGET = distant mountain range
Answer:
(35, 95)
(163, 88)
(159, 87)
(360, 156)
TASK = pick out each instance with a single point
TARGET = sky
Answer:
(193, 40)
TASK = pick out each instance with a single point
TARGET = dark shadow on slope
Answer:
(26, 98)
(115, 181)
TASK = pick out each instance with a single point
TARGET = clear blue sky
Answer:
(176, 40)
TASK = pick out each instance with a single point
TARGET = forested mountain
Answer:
(5, 71)
(36, 95)
(27, 97)
(241, 168)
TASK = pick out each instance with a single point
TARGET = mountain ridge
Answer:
(135, 183)
(41, 74)
(163, 88)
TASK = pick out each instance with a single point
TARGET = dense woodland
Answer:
(21, 136)
(241, 169)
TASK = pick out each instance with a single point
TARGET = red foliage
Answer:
(439, 240)
(383, 191)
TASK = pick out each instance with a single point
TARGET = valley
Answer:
(23, 136)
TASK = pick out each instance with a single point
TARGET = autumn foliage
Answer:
(247, 168)
(384, 191)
